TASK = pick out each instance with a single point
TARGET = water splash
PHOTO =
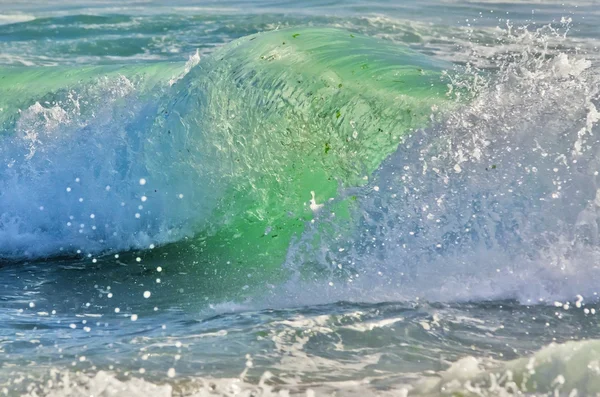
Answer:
(498, 200)
(77, 170)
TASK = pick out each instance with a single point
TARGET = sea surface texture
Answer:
(299, 198)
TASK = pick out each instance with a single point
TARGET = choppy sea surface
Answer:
(318, 198)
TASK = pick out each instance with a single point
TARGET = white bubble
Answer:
(31, 304)
(117, 310)
(171, 373)
(142, 181)
(107, 188)
(144, 198)
(81, 199)
(134, 317)
(72, 326)
(137, 215)
(77, 180)
(151, 246)
(180, 196)
(68, 189)
(138, 259)
(159, 269)
(147, 294)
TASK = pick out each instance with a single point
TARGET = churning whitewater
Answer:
(267, 198)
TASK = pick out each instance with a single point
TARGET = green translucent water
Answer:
(274, 123)
(283, 120)
(21, 87)
(267, 198)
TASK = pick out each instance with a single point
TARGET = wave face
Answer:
(111, 159)
(411, 260)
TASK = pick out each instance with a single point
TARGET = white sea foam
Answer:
(71, 172)
(499, 200)
(14, 18)
(571, 369)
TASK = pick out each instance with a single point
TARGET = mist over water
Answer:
(496, 200)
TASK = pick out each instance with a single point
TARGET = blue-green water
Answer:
(299, 198)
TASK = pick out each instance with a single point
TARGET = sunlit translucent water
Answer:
(370, 199)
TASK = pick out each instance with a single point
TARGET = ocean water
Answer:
(319, 198)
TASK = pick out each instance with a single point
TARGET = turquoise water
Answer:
(285, 198)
